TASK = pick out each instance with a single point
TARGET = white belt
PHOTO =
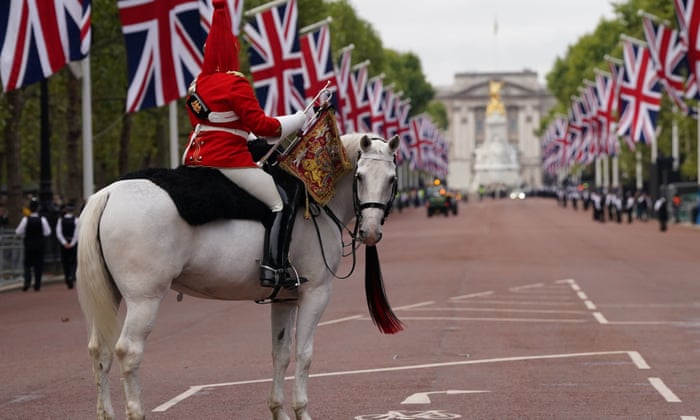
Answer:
(234, 131)
(222, 117)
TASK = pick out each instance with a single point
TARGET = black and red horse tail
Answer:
(379, 308)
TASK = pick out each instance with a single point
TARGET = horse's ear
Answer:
(365, 143)
(394, 143)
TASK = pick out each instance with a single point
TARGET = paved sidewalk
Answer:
(15, 283)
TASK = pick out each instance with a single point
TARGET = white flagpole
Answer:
(674, 138)
(638, 169)
(172, 114)
(88, 174)
(606, 173)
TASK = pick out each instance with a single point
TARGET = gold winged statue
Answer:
(495, 105)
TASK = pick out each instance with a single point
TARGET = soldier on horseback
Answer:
(224, 112)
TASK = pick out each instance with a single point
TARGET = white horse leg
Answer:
(102, 356)
(311, 307)
(282, 328)
(140, 317)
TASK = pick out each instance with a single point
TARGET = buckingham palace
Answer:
(525, 100)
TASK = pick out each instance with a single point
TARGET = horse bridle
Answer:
(358, 207)
(373, 204)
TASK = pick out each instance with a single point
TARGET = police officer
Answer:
(35, 229)
(224, 112)
(67, 235)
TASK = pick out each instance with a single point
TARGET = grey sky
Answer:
(452, 36)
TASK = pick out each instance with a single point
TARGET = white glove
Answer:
(290, 124)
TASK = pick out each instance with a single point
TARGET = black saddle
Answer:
(204, 194)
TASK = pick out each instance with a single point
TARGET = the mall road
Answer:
(512, 310)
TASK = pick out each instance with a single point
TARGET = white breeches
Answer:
(257, 183)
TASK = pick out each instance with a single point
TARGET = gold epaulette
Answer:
(235, 73)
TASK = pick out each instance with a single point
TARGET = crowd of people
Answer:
(622, 207)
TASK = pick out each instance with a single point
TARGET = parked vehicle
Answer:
(439, 200)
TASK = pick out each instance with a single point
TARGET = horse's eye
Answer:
(358, 177)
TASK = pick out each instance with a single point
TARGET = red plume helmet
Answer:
(221, 48)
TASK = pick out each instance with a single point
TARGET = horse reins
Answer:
(358, 207)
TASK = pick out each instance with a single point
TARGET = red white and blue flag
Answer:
(356, 113)
(39, 37)
(669, 56)
(574, 129)
(589, 124)
(342, 76)
(688, 14)
(164, 40)
(276, 63)
(403, 110)
(391, 119)
(315, 44)
(422, 141)
(375, 95)
(607, 105)
(640, 94)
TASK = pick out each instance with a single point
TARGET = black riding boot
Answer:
(274, 266)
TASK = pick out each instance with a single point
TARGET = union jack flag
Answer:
(403, 110)
(342, 75)
(275, 58)
(423, 138)
(589, 124)
(688, 14)
(375, 94)
(235, 7)
(39, 37)
(391, 119)
(357, 112)
(164, 40)
(640, 94)
(607, 105)
(574, 129)
(560, 137)
(668, 54)
(315, 43)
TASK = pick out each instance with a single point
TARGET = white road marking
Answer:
(490, 292)
(689, 418)
(415, 305)
(335, 321)
(600, 318)
(424, 397)
(582, 295)
(527, 286)
(194, 389)
(662, 389)
(638, 360)
(541, 311)
(521, 302)
(458, 318)
(590, 305)
(565, 281)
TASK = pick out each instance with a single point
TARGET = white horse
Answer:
(134, 246)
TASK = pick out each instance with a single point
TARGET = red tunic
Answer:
(226, 93)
